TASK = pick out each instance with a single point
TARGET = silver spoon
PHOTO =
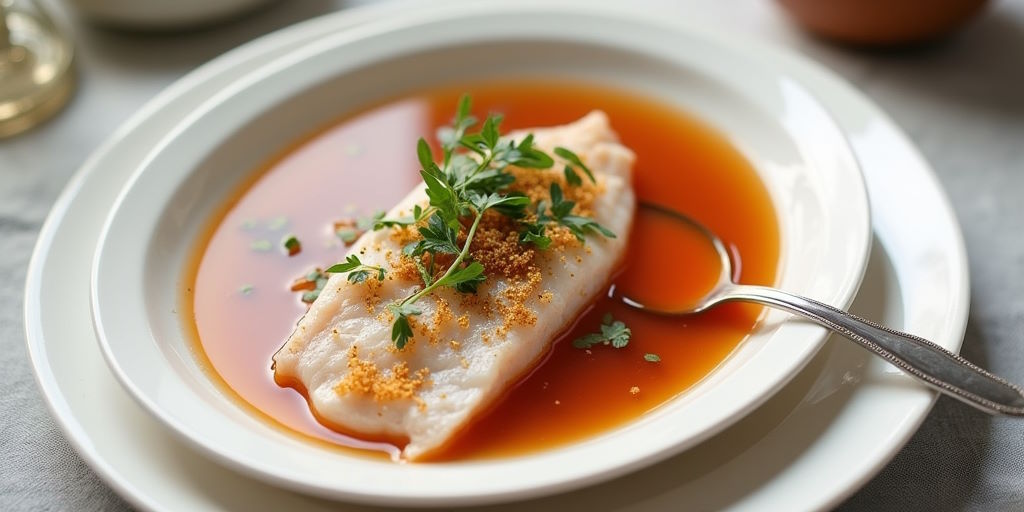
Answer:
(936, 366)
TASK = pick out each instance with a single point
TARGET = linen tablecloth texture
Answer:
(961, 101)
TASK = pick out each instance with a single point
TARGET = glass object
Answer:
(36, 77)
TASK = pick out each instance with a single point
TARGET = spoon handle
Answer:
(936, 366)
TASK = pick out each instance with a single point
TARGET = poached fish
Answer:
(467, 349)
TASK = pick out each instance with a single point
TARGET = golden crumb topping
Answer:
(402, 235)
(497, 247)
(371, 296)
(537, 185)
(443, 315)
(512, 307)
(496, 244)
(398, 383)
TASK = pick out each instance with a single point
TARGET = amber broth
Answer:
(244, 311)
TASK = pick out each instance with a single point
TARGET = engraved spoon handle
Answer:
(936, 366)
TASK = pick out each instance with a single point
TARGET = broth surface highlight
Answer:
(244, 311)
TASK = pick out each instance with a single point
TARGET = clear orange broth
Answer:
(367, 162)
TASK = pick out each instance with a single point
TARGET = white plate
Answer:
(808, 447)
(799, 152)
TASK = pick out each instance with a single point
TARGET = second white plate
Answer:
(808, 447)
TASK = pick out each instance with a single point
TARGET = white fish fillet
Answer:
(468, 375)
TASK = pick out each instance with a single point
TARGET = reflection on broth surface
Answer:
(244, 310)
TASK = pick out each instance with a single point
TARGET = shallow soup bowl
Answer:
(139, 268)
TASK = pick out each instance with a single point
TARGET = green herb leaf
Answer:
(571, 157)
(580, 226)
(424, 155)
(351, 263)
(572, 177)
(451, 135)
(613, 332)
(442, 197)
(588, 340)
(560, 212)
(465, 279)
(513, 209)
(652, 358)
(559, 206)
(378, 221)
(489, 133)
(347, 235)
(617, 333)
(526, 156)
(292, 245)
(534, 234)
(474, 180)
(369, 222)
(438, 237)
(357, 271)
(358, 276)
(401, 330)
(515, 204)
(462, 111)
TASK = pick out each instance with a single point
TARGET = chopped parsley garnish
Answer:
(572, 177)
(534, 234)
(357, 271)
(578, 225)
(349, 230)
(292, 245)
(310, 285)
(471, 179)
(347, 235)
(652, 358)
(245, 289)
(613, 332)
(574, 160)
(401, 330)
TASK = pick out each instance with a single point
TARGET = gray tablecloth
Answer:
(961, 101)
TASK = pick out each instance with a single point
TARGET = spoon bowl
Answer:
(714, 265)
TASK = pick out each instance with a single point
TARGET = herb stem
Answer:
(454, 266)
(482, 166)
(426, 213)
